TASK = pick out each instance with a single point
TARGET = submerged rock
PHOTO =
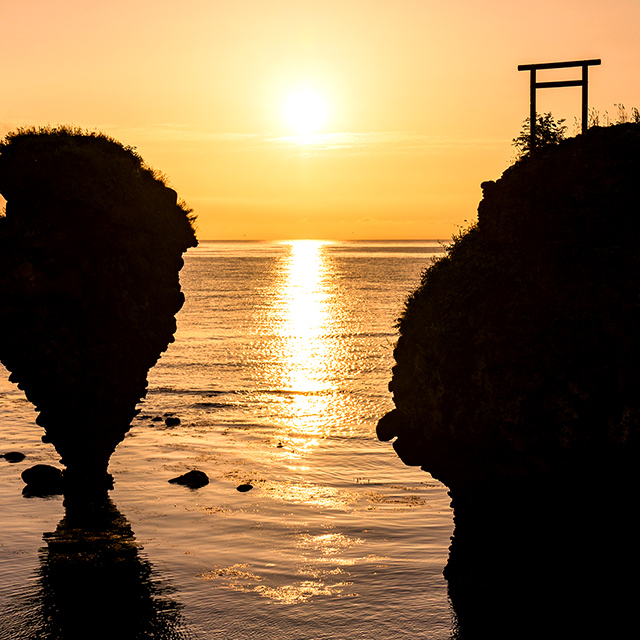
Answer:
(90, 251)
(193, 479)
(13, 456)
(517, 381)
(42, 480)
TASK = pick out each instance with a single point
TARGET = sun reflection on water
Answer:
(322, 570)
(307, 354)
(306, 318)
(306, 365)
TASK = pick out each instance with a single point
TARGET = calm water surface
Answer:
(279, 374)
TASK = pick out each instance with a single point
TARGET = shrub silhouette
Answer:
(548, 131)
(90, 250)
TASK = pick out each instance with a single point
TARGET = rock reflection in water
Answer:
(93, 583)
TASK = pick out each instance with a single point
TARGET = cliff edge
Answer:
(517, 377)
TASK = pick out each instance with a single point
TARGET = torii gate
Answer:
(584, 82)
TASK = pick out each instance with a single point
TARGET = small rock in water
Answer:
(172, 422)
(193, 479)
(42, 480)
(244, 487)
(13, 456)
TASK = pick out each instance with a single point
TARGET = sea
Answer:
(278, 374)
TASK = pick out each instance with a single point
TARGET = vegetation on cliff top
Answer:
(23, 153)
(548, 131)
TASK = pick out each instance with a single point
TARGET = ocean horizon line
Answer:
(314, 239)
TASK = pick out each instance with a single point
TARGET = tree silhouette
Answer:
(548, 131)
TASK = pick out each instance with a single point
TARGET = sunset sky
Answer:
(417, 101)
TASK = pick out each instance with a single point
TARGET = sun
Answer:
(305, 111)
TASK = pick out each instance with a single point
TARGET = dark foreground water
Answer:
(278, 374)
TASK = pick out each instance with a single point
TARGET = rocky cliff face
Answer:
(90, 251)
(517, 381)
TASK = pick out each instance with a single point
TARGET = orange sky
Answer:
(423, 98)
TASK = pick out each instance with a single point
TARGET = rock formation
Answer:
(194, 479)
(517, 384)
(90, 251)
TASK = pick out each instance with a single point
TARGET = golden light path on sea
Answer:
(304, 325)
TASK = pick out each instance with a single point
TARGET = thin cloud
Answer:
(347, 142)
(397, 141)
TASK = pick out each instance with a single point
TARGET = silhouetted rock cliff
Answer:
(517, 381)
(90, 251)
